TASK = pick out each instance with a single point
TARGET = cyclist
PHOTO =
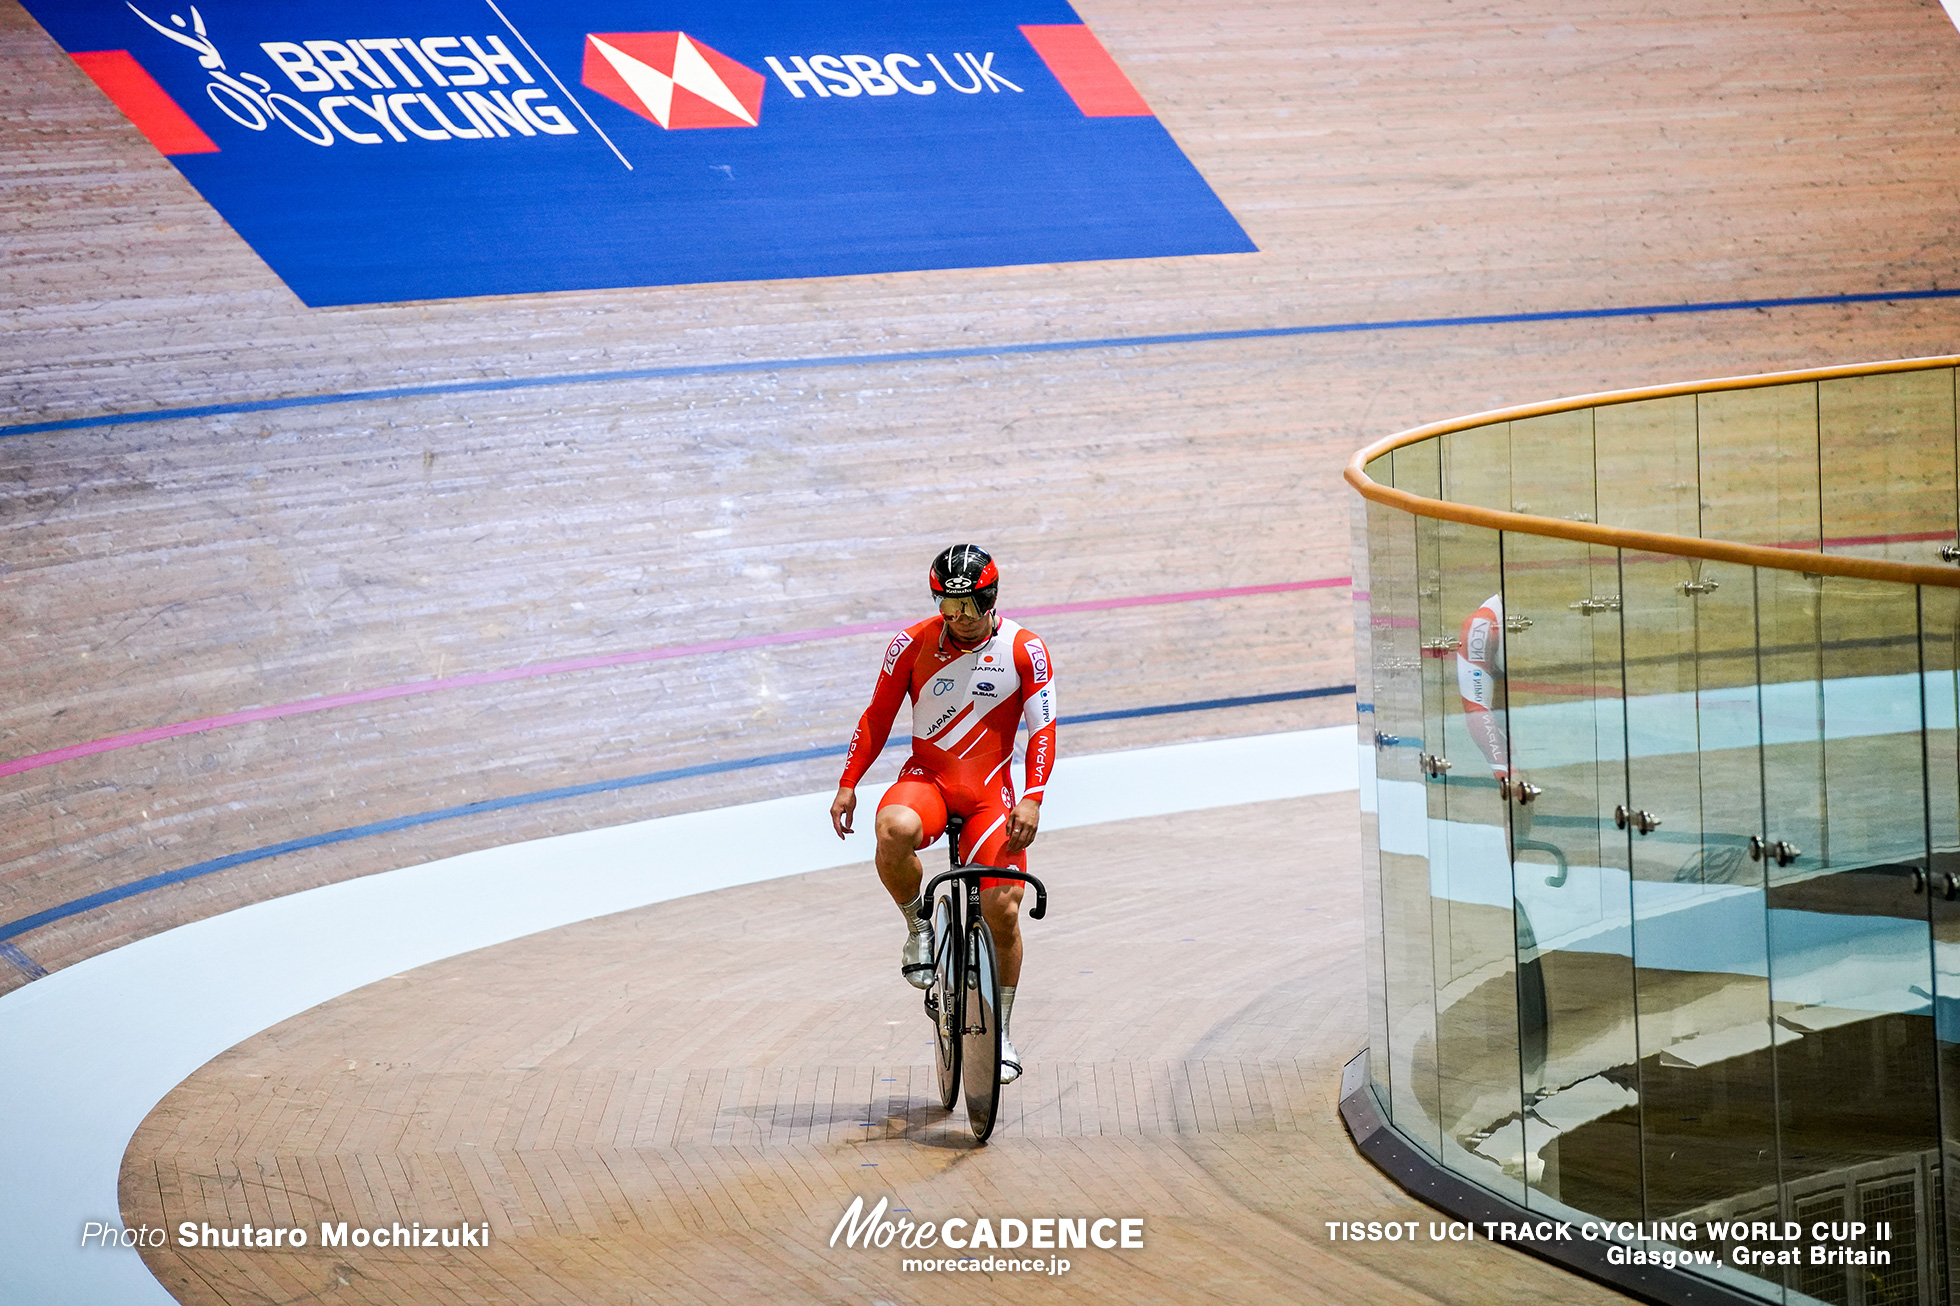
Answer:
(972, 675)
(1479, 664)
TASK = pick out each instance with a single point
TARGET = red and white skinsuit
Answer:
(965, 706)
(1479, 662)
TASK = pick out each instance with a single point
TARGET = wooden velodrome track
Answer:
(1426, 161)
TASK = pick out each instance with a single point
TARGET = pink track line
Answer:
(383, 693)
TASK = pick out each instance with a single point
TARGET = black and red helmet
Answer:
(965, 571)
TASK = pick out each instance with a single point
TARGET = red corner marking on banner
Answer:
(145, 103)
(1086, 71)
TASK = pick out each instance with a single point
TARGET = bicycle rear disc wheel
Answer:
(944, 1001)
(980, 1055)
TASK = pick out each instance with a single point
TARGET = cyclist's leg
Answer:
(1000, 906)
(911, 815)
(1000, 900)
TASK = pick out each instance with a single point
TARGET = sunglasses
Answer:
(952, 608)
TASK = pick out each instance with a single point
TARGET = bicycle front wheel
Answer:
(945, 999)
(980, 1053)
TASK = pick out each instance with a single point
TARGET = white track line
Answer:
(87, 1052)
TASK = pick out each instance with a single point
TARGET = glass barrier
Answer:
(1664, 900)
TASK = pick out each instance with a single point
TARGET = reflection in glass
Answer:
(1398, 574)
(1693, 803)
(1850, 941)
(1939, 642)
(1371, 526)
(1552, 472)
(1646, 456)
(1886, 447)
(1669, 887)
(1475, 930)
(1477, 467)
(1759, 465)
(1567, 745)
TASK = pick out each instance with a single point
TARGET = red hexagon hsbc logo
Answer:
(672, 79)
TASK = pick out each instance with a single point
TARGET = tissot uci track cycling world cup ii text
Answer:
(429, 149)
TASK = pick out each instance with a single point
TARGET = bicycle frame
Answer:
(972, 875)
(961, 1027)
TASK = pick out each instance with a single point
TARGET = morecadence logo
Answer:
(865, 1228)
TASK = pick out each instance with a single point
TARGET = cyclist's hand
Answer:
(1021, 824)
(841, 808)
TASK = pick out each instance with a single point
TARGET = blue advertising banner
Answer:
(423, 149)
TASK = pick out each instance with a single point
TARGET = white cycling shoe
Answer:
(1010, 1061)
(915, 963)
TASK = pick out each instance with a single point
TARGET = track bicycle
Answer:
(964, 1000)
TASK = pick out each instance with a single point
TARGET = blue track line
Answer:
(488, 386)
(20, 961)
(229, 860)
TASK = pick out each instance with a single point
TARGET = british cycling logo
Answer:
(380, 89)
(941, 685)
(379, 64)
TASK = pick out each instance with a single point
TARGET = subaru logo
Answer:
(984, 686)
(941, 685)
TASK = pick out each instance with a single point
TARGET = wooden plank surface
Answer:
(641, 1108)
(1425, 161)
(677, 1103)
